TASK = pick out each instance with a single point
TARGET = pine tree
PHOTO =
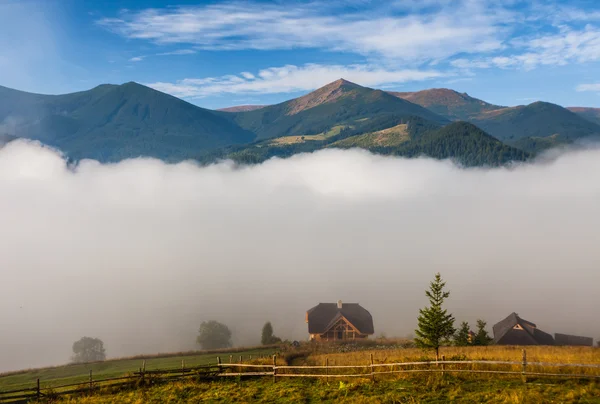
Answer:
(436, 325)
(462, 335)
(482, 337)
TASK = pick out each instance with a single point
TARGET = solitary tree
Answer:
(436, 325)
(214, 335)
(482, 337)
(462, 335)
(267, 337)
(88, 350)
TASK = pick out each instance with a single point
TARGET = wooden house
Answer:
(513, 330)
(339, 322)
(572, 340)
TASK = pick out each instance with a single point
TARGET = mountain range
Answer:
(115, 122)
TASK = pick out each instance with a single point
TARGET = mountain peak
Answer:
(328, 93)
(447, 102)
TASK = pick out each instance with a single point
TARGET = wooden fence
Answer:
(370, 370)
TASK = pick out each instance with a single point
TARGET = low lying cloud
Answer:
(289, 78)
(140, 252)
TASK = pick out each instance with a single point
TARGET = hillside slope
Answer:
(241, 108)
(340, 103)
(113, 122)
(448, 103)
(556, 124)
(591, 114)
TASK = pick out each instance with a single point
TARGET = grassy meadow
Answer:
(392, 388)
(75, 373)
(428, 389)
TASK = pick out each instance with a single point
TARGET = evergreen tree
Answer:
(462, 335)
(267, 333)
(267, 337)
(436, 325)
(482, 337)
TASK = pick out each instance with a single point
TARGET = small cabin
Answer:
(339, 322)
(514, 330)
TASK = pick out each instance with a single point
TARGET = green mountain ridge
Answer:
(591, 114)
(113, 122)
(462, 142)
(549, 123)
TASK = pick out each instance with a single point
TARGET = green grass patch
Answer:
(75, 373)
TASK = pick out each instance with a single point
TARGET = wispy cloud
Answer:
(137, 59)
(589, 87)
(290, 78)
(178, 52)
(433, 32)
(567, 45)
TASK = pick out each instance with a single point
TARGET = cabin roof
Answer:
(503, 327)
(324, 315)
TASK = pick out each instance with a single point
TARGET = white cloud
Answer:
(589, 87)
(140, 252)
(557, 49)
(137, 59)
(290, 78)
(421, 35)
(178, 52)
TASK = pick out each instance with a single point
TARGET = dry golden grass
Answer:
(287, 140)
(389, 137)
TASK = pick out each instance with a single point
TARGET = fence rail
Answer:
(367, 370)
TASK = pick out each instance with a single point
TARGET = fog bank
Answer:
(139, 253)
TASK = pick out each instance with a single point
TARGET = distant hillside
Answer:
(448, 103)
(111, 122)
(389, 137)
(464, 143)
(591, 114)
(241, 108)
(537, 120)
(340, 103)
(460, 141)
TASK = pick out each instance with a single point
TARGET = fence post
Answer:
(230, 358)
(143, 370)
(240, 368)
(91, 382)
(219, 364)
(443, 364)
(372, 369)
(38, 393)
(274, 367)
(524, 370)
(183, 367)
(327, 369)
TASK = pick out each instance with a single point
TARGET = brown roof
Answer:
(324, 315)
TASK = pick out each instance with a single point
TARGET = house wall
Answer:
(573, 340)
(335, 336)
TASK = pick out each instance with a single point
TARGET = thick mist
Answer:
(139, 253)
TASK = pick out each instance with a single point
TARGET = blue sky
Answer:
(217, 54)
